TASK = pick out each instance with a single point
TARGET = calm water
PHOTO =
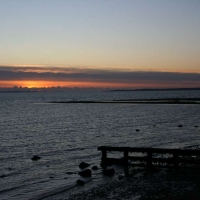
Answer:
(66, 134)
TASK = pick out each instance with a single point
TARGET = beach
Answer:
(140, 184)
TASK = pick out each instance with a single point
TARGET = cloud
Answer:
(52, 69)
(10, 73)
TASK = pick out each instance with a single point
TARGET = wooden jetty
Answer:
(151, 156)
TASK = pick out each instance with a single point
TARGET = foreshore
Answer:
(140, 184)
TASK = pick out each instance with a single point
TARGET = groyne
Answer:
(151, 156)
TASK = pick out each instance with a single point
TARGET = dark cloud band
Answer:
(75, 74)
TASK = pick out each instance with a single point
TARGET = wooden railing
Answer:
(152, 156)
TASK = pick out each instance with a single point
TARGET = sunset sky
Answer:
(100, 43)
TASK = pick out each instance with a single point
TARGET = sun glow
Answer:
(70, 84)
(89, 84)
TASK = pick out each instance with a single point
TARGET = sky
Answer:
(107, 43)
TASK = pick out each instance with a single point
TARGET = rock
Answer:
(85, 173)
(137, 130)
(3, 176)
(108, 172)
(69, 172)
(35, 158)
(180, 126)
(83, 165)
(95, 168)
(120, 177)
(80, 182)
(196, 126)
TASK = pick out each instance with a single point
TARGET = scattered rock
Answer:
(95, 168)
(83, 165)
(3, 176)
(120, 177)
(69, 172)
(137, 130)
(108, 172)
(180, 126)
(35, 158)
(85, 173)
(80, 182)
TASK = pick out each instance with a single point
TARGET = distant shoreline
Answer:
(139, 101)
(155, 89)
(28, 90)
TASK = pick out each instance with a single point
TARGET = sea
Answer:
(66, 134)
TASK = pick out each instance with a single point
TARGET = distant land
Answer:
(153, 89)
(66, 89)
(16, 89)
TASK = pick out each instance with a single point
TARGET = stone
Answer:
(120, 177)
(137, 130)
(35, 158)
(196, 126)
(3, 176)
(83, 165)
(109, 172)
(95, 168)
(180, 126)
(80, 182)
(69, 173)
(85, 173)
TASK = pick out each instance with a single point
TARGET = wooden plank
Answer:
(189, 161)
(153, 150)
(114, 161)
(138, 158)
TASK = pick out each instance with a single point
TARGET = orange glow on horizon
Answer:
(70, 84)
(90, 84)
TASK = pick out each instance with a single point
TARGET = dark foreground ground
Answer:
(141, 184)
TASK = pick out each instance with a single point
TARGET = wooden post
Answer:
(104, 156)
(149, 159)
(175, 157)
(126, 158)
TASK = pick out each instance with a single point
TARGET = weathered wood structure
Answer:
(151, 156)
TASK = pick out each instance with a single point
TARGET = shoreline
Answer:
(139, 101)
(141, 184)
